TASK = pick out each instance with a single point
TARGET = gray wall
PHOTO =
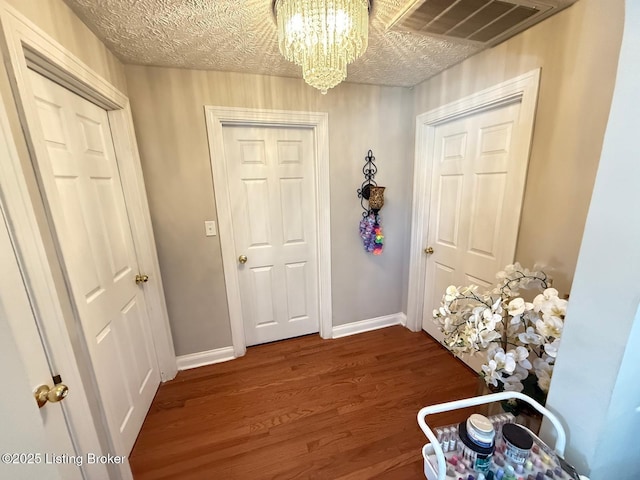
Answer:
(168, 110)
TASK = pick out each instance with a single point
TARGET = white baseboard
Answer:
(369, 324)
(209, 357)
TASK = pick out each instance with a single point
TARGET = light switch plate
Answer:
(210, 228)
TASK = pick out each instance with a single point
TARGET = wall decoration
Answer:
(369, 191)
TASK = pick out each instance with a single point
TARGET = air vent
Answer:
(485, 21)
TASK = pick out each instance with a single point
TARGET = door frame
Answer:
(216, 119)
(523, 89)
(25, 45)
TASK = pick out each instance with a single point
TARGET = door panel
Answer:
(291, 197)
(476, 195)
(488, 199)
(272, 193)
(81, 182)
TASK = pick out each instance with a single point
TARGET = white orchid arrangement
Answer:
(520, 338)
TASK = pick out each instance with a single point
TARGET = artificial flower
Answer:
(520, 338)
(550, 327)
(551, 349)
(491, 373)
(521, 356)
(505, 361)
(554, 307)
(451, 293)
(544, 297)
(544, 381)
(516, 306)
(486, 337)
(512, 384)
(530, 336)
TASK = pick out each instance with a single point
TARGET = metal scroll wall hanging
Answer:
(373, 195)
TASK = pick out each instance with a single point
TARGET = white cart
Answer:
(435, 462)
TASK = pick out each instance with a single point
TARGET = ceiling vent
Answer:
(488, 22)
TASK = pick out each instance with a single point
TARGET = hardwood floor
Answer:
(304, 408)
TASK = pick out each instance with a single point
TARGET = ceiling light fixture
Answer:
(322, 36)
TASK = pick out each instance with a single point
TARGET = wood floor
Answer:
(304, 408)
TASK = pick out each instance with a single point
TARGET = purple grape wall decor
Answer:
(371, 234)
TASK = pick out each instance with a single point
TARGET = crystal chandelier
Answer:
(323, 37)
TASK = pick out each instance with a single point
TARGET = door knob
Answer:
(142, 279)
(428, 250)
(45, 394)
(242, 259)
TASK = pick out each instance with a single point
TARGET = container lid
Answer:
(517, 436)
(480, 430)
(481, 423)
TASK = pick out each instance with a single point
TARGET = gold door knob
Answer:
(242, 259)
(45, 394)
(142, 279)
(428, 250)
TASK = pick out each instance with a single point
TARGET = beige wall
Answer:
(578, 52)
(168, 110)
(62, 24)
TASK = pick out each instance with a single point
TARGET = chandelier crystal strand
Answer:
(323, 37)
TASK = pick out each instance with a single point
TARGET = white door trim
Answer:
(524, 89)
(216, 118)
(24, 45)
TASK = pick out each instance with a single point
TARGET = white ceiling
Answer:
(240, 36)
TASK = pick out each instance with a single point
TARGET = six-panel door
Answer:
(476, 197)
(81, 183)
(272, 194)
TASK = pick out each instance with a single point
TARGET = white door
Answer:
(272, 192)
(477, 188)
(81, 184)
(26, 428)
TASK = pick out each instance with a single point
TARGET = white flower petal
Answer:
(521, 373)
(521, 353)
(551, 349)
(513, 387)
(509, 364)
(516, 306)
(530, 337)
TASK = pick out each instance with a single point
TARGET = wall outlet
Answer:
(210, 228)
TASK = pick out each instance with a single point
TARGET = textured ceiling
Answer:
(240, 36)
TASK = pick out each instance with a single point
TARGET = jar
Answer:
(518, 443)
(480, 430)
(477, 442)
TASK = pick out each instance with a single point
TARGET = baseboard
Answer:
(369, 324)
(209, 357)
